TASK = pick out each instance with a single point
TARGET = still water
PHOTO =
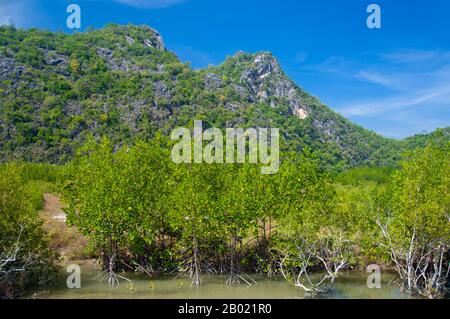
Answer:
(348, 285)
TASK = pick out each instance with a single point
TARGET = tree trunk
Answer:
(195, 267)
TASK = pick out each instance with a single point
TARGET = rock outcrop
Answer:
(267, 81)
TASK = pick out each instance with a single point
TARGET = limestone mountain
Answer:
(121, 81)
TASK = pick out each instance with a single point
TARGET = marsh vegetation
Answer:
(140, 212)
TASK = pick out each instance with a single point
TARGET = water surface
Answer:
(348, 285)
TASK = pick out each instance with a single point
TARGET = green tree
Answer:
(307, 236)
(117, 198)
(239, 210)
(193, 211)
(25, 259)
(415, 219)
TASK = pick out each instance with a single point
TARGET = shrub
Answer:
(25, 260)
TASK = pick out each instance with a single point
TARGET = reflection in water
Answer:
(348, 285)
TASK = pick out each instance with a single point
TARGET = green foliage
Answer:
(129, 200)
(308, 197)
(25, 260)
(414, 219)
(421, 140)
(116, 198)
(418, 198)
(355, 212)
(362, 175)
(40, 172)
(63, 88)
(136, 206)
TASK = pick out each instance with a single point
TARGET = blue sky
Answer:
(394, 80)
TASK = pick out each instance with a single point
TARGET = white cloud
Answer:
(150, 3)
(403, 80)
(375, 77)
(406, 123)
(377, 106)
(397, 94)
(335, 64)
(412, 56)
(410, 90)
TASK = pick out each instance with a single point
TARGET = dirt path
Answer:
(66, 240)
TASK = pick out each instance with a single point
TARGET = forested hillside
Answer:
(121, 82)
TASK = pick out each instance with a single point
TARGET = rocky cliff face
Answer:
(267, 81)
(122, 82)
(10, 69)
(259, 79)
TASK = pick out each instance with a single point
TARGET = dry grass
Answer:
(64, 239)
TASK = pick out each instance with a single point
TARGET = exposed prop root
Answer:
(113, 279)
(236, 278)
